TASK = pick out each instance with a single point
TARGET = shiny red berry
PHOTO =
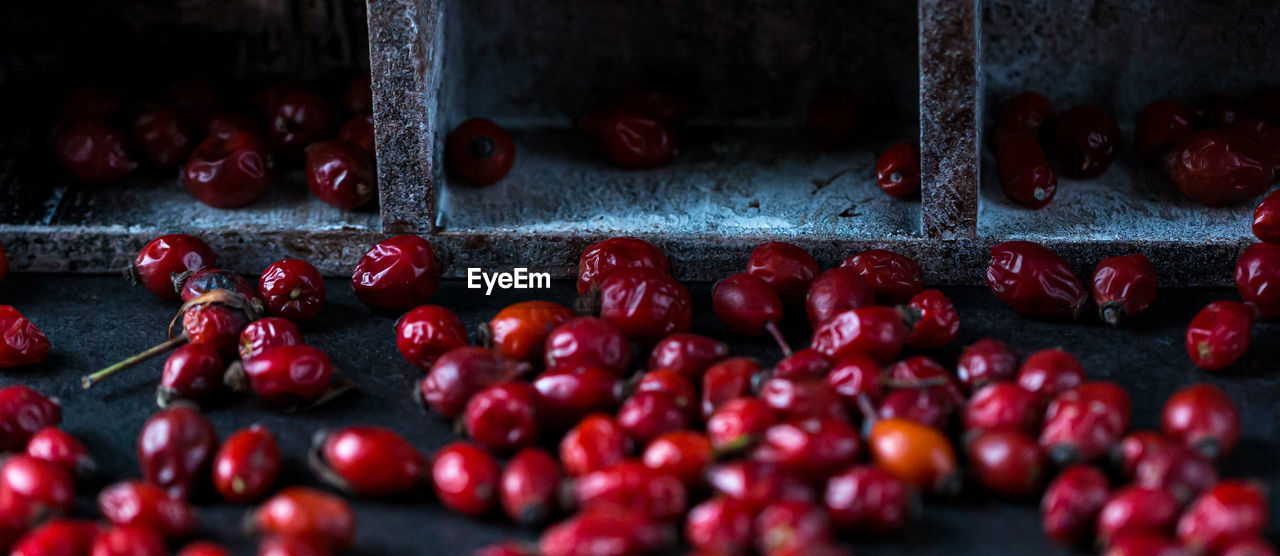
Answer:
(207, 280)
(55, 445)
(739, 422)
(288, 545)
(466, 478)
(939, 323)
(802, 398)
(758, 483)
(984, 361)
(868, 500)
(192, 372)
(816, 448)
(128, 541)
(246, 465)
(203, 548)
(727, 380)
(806, 363)
(230, 171)
(1250, 546)
(1161, 125)
(1087, 139)
(786, 268)
(666, 107)
(894, 277)
(1084, 423)
(1023, 168)
(587, 342)
(530, 486)
(1136, 509)
(59, 537)
(1004, 406)
(645, 304)
(1035, 281)
(161, 136)
(293, 289)
(397, 274)
(672, 383)
(480, 151)
(21, 341)
(630, 484)
(1218, 167)
(596, 442)
(687, 354)
(342, 174)
(1258, 278)
(682, 454)
(306, 513)
(898, 170)
(135, 503)
(503, 417)
(1232, 511)
(359, 131)
(566, 395)
(836, 291)
(788, 524)
(855, 376)
(601, 259)
(1181, 471)
(93, 152)
(175, 449)
(1136, 446)
(630, 140)
(922, 406)
(290, 374)
(24, 411)
(1219, 334)
(874, 331)
(460, 373)
(747, 305)
(368, 461)
(1050, 372)
(225, 124)
(1144, 543)
(1008, 462)
(1203, 418)
(265, 333)
(1071, 504)
(519, 331)
(428, 331)
(647, 414)
(622, 530)
(48, 487)
(720, 525)
(300, 119)
(1266, 219)
(1027, 112)
(1123, 287)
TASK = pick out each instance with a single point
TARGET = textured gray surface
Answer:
(949, 132)
(93, 321)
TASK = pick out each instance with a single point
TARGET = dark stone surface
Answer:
(93, 321)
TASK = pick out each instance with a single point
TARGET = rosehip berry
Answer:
(461, 372)
(228, 171)
(898, 170)
(832, 117)
(721, 525)
(265, 333)
(427, 332)
(1026, 112)
(1232, 511)
(306, 513)
(855, 376)
(789, 524)
(175, 449)
(93, 152)
(1250, 546)
(919, 370)
(1217, 167)
(630, 484)
(727, 380)
(341, 174)
(1123, 287)
(503, 417)
(300, 119)
(985, 361)
(587, 342)
(757, 483)
(1258, 278)
(646, 304)
(918, 455)
(480, 151)
(58, 537)
(814, 447)
(922, 406)
(397, 274)
(24, 411)
(519, 331)
(1218, 110)
(128, 541)
(1087, 139)
(667, 108)
(1034, 281)
(682, 454)
(1203, 418)
(1161, 125)
(1025, 175)
(1135, 509)
(207, 280)
(622, 530)
(802, 398)
(603, 258)
(1145, 543)
(55, 445)
(192, 372)
(246, 466)
(875, 332)
(203, 548)
(47, 487)
(868, 501)
(21, 341)
(938, 325)
(748, 306)
(566, 395)
(290, 374)
(630, 140)
(1004, 406)
(737, 423)
(368, 461)
(139, 504)
(160, 136)
(1071, 504)
(1180, 471)
(225, 124)
(164, 258)
(1219, 334)
(895, 278)
(806, 363)
(530, 486)
(292, 289)
(284, 545)
(596, 442)
(359, 131)
(1136, 446)
(1050, 372)
(670, 383)
(1266, 142)
(786, 268)
(1084, 423)
(687, 354)
(466, 478)
(645, 415)
(1266, 219)
(836, 291)
(1008, 462)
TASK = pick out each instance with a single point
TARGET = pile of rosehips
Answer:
(1222, 153)
(226, 152)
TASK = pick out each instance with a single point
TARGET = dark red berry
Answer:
(192, 372)
(668, 108)
(747, 305)
(369, 461)
(836, 291)
(175, 449)
(720, 525)
(1087, 139)
(1008, 462)
(223, 125)
(93, 152)
(1071, 504)
(1136, 509)
(1035, 281)
(55, 445)
(646, 304)
(206, 280)
(519, 331)
(938, 325)
(984, 361)
(359, 131)
(1025, 175)
(466, 478)
(875, 332)
(566, 395)
(727, 380)
(428, 331)
(1258, 278)
(687, 354)
(1203, 418)
(1145, 543)
(915, 371)
(868, 501)
(135, 503)
(1232, 511)
(230, 171)
(787, 268)
(855, 376)
(530, 486)
(739, 422)
(1218, 167)
(397, 274)
(1027, 112)
(246, 466)
(161, 137)
(603, 258)
(341, 174)
(815, 448)
(503, 417)
(1123, 287)
(596, 442)
(24, 411)
(894, 277)
(287, 545)
(292, 289)
(460, 373)
(630, 484)
(1181, 471)
(306, 513)
(1004, 406)
(898, 170)
(622, 530)
(1050, 372)
(21, 341)
(265, 333)
(802, 398)
(922, 406)
(587, 342)
(671, 383)
(1161, 125)
(1250, 546)
(1084, 423)
(290, 374)
(806, 363)
(1266, 142)
(1266, 219)
(49, 488)
(757, 483)
(480, 151)
(58, 537)
(682, 454)
(1136, 446)
(647, 414)
(1219, 334)
(300, 119)
(788, 524)
(630, 140)
(128, 541)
